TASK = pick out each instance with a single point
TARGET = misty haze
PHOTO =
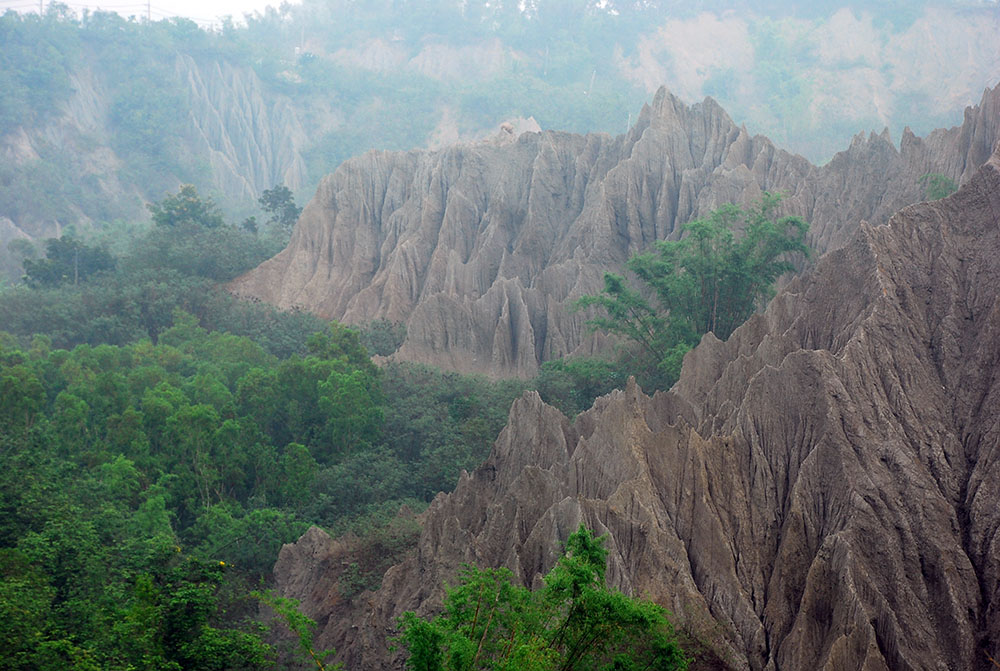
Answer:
(550, 334)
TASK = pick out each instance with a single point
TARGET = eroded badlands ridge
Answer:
(818, 492)
(479, 248)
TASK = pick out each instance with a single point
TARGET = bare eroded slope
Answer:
(818, 492)
(479, 248)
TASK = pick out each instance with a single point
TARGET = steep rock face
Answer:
(250, 140)
(818, 492)
(72, 134)
(479, 248)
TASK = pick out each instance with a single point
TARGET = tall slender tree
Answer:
(722, 269)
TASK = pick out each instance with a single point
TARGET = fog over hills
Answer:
(183, 421)
(104, 114)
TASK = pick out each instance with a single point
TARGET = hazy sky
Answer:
(203, 12)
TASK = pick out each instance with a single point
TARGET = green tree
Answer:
(351, 403)
(572, 384)
(341, 342)
(22, 398)
(277, 202)
(711, 280)
(438, 423)
(382, 337)
(67, 260)
(22, 248)
(937, 186)
(574, 622)
(168, 623)
(25, 600)
(35, 64)
(186, 208)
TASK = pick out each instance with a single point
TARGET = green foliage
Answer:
(140, 303)
(937, 186)
(572, 384)
(277, 202)
(301, 626)
(89, 578)
(25, 600)
(22, 248)
(169, 622)
(574, 622)
(67, 260)
(186, 209)
(225, 427)
(378, 541)
(330, 401)
(382, 336)
(216, 254)
(33, 66)
(438, 423)
(111, 458)
(147, 119)
(114, 457)
(711, 280)
(157, 271)
(179, 413)
(340, 342)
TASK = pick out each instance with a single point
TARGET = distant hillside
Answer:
(102, 114)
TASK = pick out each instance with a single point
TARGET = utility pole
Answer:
(149, 11)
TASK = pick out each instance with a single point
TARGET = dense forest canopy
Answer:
(709, 281)
(575, 622)
(160, 440)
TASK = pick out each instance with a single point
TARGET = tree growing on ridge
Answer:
(937, 186)
(712, 279)
(574, 622)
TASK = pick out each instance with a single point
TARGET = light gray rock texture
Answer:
(818, 492)
(249, 139)
(481, 248)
